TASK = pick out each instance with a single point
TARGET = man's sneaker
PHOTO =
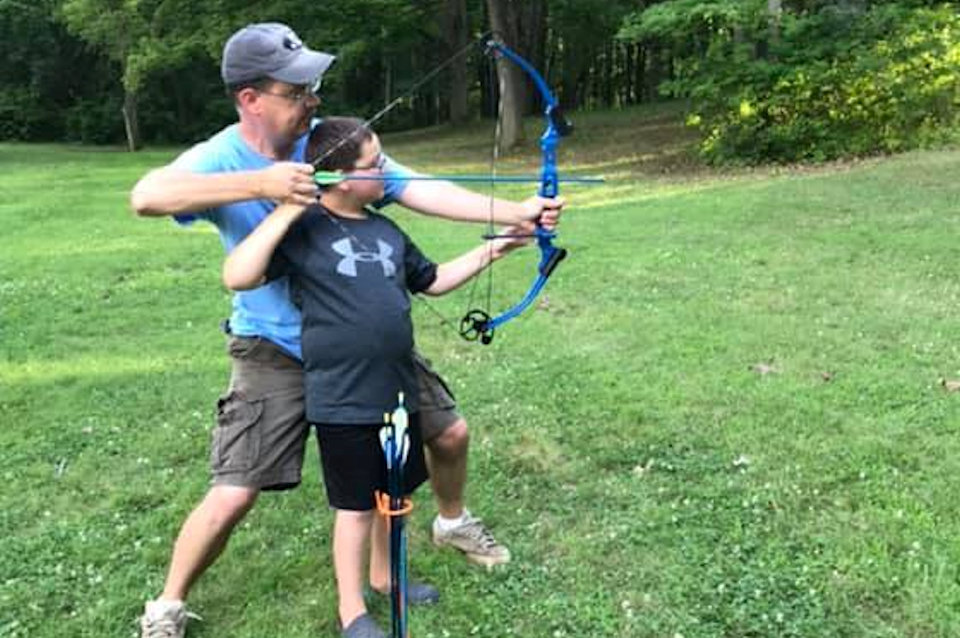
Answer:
(164, 619)
(473, 539)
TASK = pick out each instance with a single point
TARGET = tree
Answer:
(504, 21)
(139, 37)
(582, 37)
(457, 34)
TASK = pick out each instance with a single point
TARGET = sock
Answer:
(447, 524)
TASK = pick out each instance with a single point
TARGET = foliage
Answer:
(836, 82)
(822, 79)
(583, 31)
(45, 72)
(84, 55)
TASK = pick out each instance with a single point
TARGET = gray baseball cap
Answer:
(271, 50)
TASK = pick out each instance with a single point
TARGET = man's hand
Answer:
(545, 210)
(288, 182)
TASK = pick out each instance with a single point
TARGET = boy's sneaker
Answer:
(417, 593)
(363, 626)
(164, 619)
(473, 539)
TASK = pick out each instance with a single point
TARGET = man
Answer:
(234, 180)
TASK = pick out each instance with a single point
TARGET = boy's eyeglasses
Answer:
(378, 163)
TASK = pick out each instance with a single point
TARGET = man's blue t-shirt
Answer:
(266, 311)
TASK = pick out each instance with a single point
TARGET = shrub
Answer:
(898, 92)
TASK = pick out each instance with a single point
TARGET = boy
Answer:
(350, 271)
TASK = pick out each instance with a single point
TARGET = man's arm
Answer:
(172, 191)
(247, 264)
(447, 200)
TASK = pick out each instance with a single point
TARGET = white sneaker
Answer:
(164, 619)
(473, 539)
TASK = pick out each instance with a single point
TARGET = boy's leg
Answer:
(380, 555)
(351, 462)
(447, 442)
(350, 533)
(258, 444)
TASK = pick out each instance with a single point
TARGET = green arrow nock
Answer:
(328, 178)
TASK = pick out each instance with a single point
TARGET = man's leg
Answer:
(204, 535)
(258, 444)
(447, 463)
(447, 444)
(201, 540)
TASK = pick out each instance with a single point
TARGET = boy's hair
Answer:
(337, 142)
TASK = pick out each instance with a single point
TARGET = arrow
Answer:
(329, 178)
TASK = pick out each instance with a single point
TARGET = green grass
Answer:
(648, 481)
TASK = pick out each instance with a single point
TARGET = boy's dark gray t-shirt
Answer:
(350, 278)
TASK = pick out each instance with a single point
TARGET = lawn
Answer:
(728, 419)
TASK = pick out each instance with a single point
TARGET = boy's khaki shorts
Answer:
(261, 431)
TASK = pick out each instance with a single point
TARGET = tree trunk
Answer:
(655, 73)
(775, 9)
(386, 62)
(456, 34)
(609, 76)
(131, 121)
(503, 21)
(640, 75)
(531, 43)
(574, 58)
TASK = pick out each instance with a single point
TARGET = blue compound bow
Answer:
(478, 324)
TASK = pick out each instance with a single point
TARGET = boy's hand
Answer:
(546, 210)
(288, 182)
(517, 236)
(288, 212)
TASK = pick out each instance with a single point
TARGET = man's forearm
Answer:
(167, 191)
(449, 201)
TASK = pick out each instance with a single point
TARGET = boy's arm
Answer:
(246, 265)
(171, 190)
(453, 274)
(449, 201)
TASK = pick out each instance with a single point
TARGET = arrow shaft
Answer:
(516, 179)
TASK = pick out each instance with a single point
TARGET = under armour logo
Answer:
(348, 265)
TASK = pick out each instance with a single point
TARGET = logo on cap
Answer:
(292, 42)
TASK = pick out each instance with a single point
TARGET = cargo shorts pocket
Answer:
(236, 439)
(434, 391)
